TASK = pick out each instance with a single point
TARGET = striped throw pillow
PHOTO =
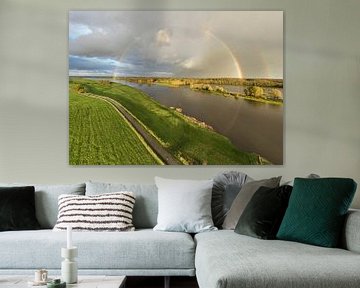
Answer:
(105, 212)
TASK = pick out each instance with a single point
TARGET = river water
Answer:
(251, 126)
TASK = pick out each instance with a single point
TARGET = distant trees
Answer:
(105, 82)
(263, 90)
(205, 87)
(274, 83)
(254, 91)
(220, 89)
(276, 93)
(209, 88)
(81, 88)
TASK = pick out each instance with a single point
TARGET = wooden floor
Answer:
(158, 282)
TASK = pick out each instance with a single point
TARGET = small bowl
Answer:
(56, 283)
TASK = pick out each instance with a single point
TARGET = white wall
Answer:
(322, 79)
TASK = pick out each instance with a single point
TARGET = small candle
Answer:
(69, 239)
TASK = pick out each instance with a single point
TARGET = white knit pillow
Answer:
(105, 212)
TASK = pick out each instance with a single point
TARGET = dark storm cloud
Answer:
(182, 43)
(84, 63)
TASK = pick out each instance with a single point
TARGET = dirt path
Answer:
(154, 144)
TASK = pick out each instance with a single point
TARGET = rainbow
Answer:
(228, 50)
(209, 34)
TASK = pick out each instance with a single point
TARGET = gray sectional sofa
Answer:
(219, 259)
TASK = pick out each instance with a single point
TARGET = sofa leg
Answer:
(167, 282)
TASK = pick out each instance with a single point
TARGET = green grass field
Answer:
(100, 136)
(187, 141)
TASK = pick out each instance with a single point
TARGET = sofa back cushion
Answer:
(146, 204)
(350, 238)
(46, 200)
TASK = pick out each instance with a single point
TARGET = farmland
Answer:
(98, 135)
(186, 140)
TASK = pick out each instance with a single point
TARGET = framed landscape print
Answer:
(176, 88)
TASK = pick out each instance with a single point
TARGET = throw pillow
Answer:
(46, 200)
(184, 205)
(243, 198)
(17, 208)
(263, 215)
(226, 187)
(146, 205)
(311, 176)
(317, 209)
(106, 212)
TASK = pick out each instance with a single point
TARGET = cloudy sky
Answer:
(245, 44)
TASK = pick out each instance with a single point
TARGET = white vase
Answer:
(69, 269)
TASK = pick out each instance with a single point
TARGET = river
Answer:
(251, 126)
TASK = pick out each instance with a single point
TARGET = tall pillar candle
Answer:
(69, 237)
(69, 265)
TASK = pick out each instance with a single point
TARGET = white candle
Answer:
(69, 239)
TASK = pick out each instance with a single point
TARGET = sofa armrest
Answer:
(351, 234)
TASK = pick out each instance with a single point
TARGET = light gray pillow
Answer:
(184, 205)
(46, 200)
(146, 204)
(243, 198)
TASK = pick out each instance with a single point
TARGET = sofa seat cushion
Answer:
(142, 249)
(225, 259)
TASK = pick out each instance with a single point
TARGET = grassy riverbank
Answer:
(187, 141)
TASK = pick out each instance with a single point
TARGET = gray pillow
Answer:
(310, 176)
(184, 205)
(226, 187)
(46, 200)
(146, 204)
(243, 198)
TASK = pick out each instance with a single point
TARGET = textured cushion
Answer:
(184, 205)
(17, 208)
(143, 249)
(225, 259)
(146, 205)
(106, 212)
(243, 198)
(46, 200)
(225, 189)
(317, 210)
(263, 215)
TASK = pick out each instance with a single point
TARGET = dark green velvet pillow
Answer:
(263, 214)
(17, 208)
(316, 211)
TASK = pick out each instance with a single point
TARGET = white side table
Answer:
(84, 281)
